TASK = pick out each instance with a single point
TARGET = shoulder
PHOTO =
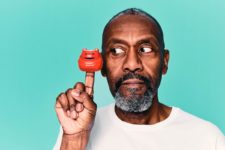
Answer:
(106, 108)
(103, 122)
(105, 112)
(195, 123)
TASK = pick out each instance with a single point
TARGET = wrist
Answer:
(79, 135)
(76, 141)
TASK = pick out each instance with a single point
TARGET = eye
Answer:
(145, 49)
(116, 51)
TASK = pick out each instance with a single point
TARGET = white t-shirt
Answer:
(180, 131)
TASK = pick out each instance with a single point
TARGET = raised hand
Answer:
(75, 110)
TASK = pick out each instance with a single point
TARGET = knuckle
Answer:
(59, 96)
(95, 105)
(84, 95)
(79, 84)
(68, 91)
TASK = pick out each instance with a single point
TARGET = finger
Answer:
(62, 99)
(79, 107)
(89, 82)
(85, 99)
(60, 112)
(68, 113)
(72, 104)
(79, 86)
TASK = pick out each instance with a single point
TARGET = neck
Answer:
(156, 113)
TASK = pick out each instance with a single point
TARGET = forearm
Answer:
(77, 141)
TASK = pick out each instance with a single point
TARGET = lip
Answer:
(133, 81)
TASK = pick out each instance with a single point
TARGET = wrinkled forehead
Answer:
(126, 22)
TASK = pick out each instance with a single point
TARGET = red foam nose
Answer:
(90, 60)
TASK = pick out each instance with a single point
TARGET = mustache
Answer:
(132, 76)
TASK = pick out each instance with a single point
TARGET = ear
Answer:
(103, 70)
(166, 57)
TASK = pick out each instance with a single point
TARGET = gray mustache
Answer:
(132, 76)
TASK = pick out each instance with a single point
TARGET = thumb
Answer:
(61, 114)
(85, 99)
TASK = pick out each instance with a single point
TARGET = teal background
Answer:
(40, 42)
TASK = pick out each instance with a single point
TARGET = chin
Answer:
(135, 103)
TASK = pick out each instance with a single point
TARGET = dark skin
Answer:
(131, 45)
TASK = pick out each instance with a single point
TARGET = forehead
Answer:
(135, 25)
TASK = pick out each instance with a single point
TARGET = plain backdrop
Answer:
(40, 42)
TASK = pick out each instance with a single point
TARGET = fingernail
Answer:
(76, 93)
(68, 113)
(74, 114)
(79, 107)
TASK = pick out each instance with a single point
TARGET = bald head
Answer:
(136, 13)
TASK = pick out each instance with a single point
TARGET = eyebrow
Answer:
(149, 39)
(115, 40)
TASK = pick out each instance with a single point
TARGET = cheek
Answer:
(113, 72)
(114, 66)
(153, 68)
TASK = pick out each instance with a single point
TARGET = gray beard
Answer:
(134, 103)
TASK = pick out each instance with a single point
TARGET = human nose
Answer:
(132, 63)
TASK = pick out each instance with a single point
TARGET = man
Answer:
(134, 61)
